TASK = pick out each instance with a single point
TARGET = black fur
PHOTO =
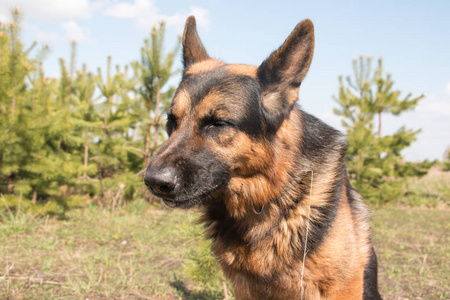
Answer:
(319, 142)
(371, 279)
(242, 92)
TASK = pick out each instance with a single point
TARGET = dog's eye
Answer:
(214, 125)
(219, 124)
(171, 124)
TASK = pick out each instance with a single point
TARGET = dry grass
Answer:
(139, 252)
(413, 251)
(430, 191)
(133, 253)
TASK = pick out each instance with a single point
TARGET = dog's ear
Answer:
(288, 65)
(193, 49)
(281, 74)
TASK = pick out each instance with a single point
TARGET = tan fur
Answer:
(329, 274)
(341, 277)
(204, 66)
(181, 104)
(247, 70)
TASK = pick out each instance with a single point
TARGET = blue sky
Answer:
(413, 37)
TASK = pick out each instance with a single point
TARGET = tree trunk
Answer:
(105, 123)
(155, 135)
(86, 151)
(1, 163)
(147, 146)
(34, 199)
(379, 124)
(13, 108)
(358, 168)
(102, 195)
(105, 126)
(10, 188)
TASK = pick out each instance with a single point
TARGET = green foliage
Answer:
(154, 71)
(446, 162)
(375, 164)
(201, 264)
(82, 135)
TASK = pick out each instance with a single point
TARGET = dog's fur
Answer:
(262, 169)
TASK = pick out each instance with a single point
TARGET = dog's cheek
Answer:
(245, 156)
(226, 139)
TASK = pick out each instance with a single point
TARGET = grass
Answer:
(431, 191)
(413, 252)
(133, 253)
(139, 252)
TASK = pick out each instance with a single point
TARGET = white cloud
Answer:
(202, 16)
(63, 12)
(435, 106)
(333, 120)
(178, 20)
(127, 10)
(73, 31)
(66, 13)
(41, 35)
(50, 10)
(145, 14)
(67, 31)
(4, 17)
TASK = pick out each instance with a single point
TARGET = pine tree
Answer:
(388, 100)
(114, 124)
(53, 158)
(14, 68)
(376, 166)
(79, 135)
(87, 117)
(21, 90)
(155, 70)
(446, 162)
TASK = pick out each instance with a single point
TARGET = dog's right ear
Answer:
(193, 49)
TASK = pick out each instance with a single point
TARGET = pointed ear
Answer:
(193, 49)
(286, 67)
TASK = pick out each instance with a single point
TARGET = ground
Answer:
(141, 251)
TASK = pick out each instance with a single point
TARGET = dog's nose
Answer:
(161, 182)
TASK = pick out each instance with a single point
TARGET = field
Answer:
(140, 252)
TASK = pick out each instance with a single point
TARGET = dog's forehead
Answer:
(216, 85)
(214, 64)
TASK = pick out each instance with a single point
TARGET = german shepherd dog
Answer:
(269, 178)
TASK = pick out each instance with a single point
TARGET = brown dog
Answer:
(270, 178)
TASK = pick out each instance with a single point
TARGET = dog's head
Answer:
(224, 119)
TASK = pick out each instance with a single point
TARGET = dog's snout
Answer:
(161, 182)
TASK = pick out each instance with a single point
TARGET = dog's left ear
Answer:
(286, 67)
(193, 49)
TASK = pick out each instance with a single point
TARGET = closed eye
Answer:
(213, 125)
(219, 124)
(171, 124)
